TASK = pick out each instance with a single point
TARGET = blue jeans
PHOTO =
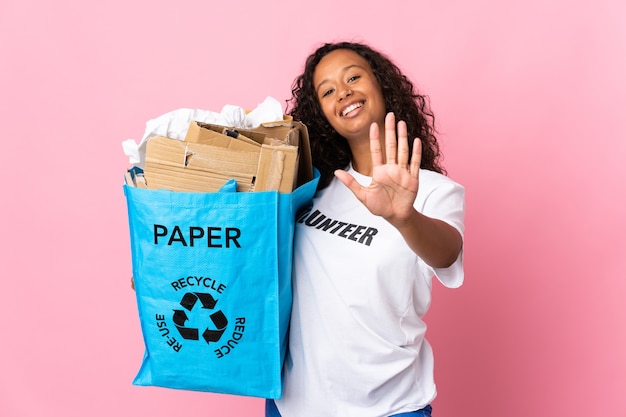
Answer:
(272, 411)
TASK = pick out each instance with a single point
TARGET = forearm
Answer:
(433, 240)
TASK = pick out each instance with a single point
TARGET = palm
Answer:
(391, 193)
(395, 182)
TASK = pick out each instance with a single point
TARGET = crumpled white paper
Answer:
(174, 124)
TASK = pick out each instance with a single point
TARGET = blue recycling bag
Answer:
(212, 275)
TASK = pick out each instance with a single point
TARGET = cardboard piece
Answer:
(274, 156)
(134, 177)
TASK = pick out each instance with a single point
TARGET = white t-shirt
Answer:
(356, 345)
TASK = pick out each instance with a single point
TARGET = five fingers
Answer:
(396, 151)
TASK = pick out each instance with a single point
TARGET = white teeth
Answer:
(350, 108)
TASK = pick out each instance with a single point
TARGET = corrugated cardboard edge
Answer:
(305, 165)
(283, 130)
(212, 134)
(184, 166)
(270, 171)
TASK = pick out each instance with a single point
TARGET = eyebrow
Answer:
(343, 70)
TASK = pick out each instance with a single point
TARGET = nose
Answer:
(345, 93)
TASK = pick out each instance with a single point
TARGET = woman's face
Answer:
(349, 93)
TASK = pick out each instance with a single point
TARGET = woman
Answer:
(384, 221)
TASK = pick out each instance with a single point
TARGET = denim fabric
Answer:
(424, 412)
(272, 411)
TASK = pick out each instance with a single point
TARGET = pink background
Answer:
(531, 102)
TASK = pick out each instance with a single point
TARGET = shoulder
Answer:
(440, 197)
(431, 181)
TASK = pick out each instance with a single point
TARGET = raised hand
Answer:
(395, 180)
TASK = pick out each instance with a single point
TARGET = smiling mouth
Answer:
(351, 108)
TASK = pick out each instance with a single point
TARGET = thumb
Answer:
(349, 181)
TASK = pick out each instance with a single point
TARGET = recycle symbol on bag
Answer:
(207, 302)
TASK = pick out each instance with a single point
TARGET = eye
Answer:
(327, 92)
(353, 78)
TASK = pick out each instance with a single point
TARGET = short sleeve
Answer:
(441, 198)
